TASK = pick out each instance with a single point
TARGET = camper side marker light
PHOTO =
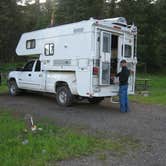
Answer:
(95, 70)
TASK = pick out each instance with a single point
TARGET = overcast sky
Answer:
(23, 2)
(43, 1)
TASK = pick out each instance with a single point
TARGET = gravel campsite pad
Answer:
(145, 123)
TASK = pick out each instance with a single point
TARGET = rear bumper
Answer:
(106, 91)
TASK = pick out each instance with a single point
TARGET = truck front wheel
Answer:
(13, 88)
(64, 96)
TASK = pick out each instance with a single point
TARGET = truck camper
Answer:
(77, 60)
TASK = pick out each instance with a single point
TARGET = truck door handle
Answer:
(29, 75)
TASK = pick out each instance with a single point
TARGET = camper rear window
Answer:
(106, 42)
(128, 51)
(30, 44)
(49, 49)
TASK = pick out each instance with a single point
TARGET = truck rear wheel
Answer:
(95, 100)
(13, 88)
(64, 96)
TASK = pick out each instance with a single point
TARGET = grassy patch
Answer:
(49, 145)
(157, 90)
(3, 87)
(5, 68)
(10, 66)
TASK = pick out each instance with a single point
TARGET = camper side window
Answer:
(30, 44)
(49, 49)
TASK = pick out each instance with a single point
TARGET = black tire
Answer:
(13, 88)
(64, 96)
(95, 100)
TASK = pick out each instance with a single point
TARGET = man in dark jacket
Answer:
(123, 86)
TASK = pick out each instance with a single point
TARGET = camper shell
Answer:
(85, 55)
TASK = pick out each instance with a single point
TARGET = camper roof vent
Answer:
(119, 21)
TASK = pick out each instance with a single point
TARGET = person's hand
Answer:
(112, 77)
(131, 72)
(116, 80)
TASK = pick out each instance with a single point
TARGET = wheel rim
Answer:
(12, 89)
(62, 97)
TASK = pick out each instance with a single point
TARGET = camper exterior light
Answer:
(134, 29)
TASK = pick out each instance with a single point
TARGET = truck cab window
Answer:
(29, 66)
(38, 66)
(128, 51)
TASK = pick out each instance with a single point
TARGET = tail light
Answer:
(95, 70)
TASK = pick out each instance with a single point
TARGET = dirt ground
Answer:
(146, 123)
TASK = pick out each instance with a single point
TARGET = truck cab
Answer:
(30, 77)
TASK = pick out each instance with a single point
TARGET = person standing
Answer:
(123, 86)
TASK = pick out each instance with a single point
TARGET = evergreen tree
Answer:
(148, 15)
(143, 14)
(10, 28)
(76, 10)
(160, 37)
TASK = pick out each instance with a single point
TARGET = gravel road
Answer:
(146, 123)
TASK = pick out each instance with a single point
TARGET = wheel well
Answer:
(60, 84)
(11, 79)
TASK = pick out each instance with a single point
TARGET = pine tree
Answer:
(76, 10)
(9, 29)
(160, 38)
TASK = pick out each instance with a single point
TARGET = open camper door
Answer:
(105, 57)
(126, 50)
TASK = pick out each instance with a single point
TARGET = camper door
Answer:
(105, 57)
(126, 52)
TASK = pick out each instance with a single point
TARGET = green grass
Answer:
(5, 68)
(10, 66)
(3, 87)
(157, 91)
(49, 145)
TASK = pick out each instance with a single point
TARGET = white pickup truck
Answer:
(32, 78)
(76, 61)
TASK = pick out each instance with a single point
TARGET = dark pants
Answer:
(124, 106)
